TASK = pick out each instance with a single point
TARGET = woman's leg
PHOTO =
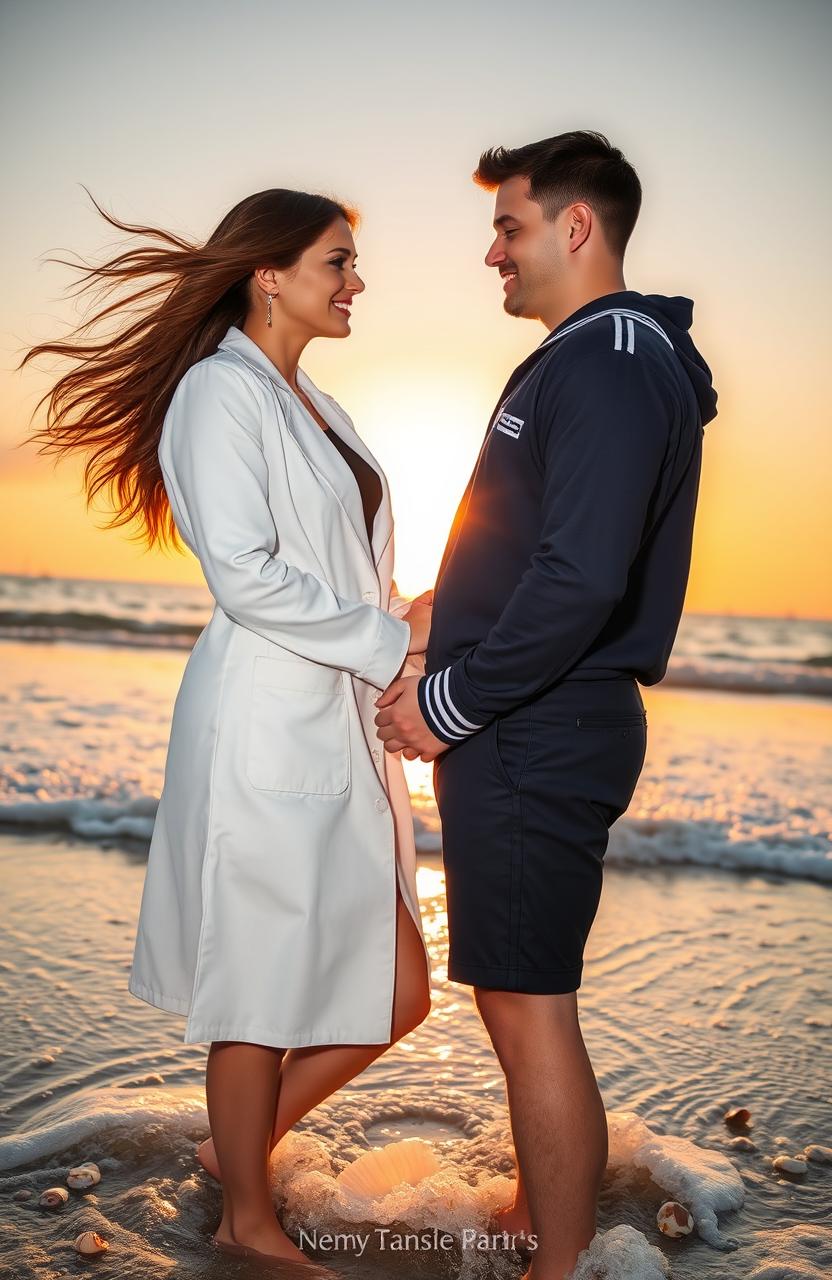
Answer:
(309, 1075)
(241, 1086)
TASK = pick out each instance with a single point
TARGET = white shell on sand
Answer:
(83, 1176)
(377, 1172)
(674, 1220)
(818, 1154)
(53, 1197)
(90, 1243)
(742, 1143)
(789, 1164)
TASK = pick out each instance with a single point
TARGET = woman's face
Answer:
(315, 295)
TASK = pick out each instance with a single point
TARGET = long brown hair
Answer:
(112, 404)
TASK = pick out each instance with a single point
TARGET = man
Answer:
(561, 587)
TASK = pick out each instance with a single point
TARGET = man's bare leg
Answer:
(558, 1119)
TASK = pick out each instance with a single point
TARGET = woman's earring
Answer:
(269, 312)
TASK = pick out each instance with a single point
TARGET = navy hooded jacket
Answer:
(569, 554)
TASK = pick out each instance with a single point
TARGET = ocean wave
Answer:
(39, 626)
(634, 841)
(754, 676)
(805, 676)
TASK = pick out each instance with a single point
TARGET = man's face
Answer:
(525, 249)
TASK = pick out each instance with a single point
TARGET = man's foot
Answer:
(514, 1220)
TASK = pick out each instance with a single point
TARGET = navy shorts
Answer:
(526, 806)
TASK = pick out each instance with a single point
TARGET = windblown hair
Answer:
(581, 165)
(112, 403)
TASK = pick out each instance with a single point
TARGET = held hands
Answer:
(401, 725)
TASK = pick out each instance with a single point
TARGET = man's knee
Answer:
(519, 1023)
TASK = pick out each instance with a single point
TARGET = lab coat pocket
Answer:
(298, 734)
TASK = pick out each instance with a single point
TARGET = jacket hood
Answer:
(675, 315)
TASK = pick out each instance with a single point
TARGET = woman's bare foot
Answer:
(207, 1157)
(266, 1237)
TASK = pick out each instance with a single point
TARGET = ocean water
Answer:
(706, 983)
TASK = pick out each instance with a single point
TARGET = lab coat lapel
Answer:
(320, 452)
(350, 495)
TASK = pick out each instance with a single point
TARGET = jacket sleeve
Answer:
(604, 427)
(217, 480)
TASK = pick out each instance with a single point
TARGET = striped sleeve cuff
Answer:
(440, 712)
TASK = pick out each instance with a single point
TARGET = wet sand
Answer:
(702, 990)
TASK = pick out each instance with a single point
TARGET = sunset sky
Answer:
(171, 113)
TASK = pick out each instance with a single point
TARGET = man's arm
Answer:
(604, 440)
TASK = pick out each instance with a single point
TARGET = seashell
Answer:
(789, 1164)
(53, 1197)
(375, 1173)
(742, 1144)
(83, 1176)
(818, 1154)
(90, 1244)
(737, 1117)
(23, 1194)
(674, 1220)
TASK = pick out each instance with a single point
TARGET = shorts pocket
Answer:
(298, 732)
(510, 742)
(611, 719)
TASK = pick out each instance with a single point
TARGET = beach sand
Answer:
(702, 990)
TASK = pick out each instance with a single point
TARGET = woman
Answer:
(279, 913)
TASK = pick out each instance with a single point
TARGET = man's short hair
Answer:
(581, 165)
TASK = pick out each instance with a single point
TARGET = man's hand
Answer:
(401, 725)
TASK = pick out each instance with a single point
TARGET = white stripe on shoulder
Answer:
(617, 312)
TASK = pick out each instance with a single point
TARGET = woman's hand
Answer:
(419, 616)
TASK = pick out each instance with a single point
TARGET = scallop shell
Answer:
(789, 1164)
(90, 1244)
(53, 1197)
(83, 1176)
(674, 1220)
(375, 1173)
(737, 1117)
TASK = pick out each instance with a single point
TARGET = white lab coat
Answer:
(268, 912)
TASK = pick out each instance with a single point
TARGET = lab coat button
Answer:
(370, 596)
(381, 804)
